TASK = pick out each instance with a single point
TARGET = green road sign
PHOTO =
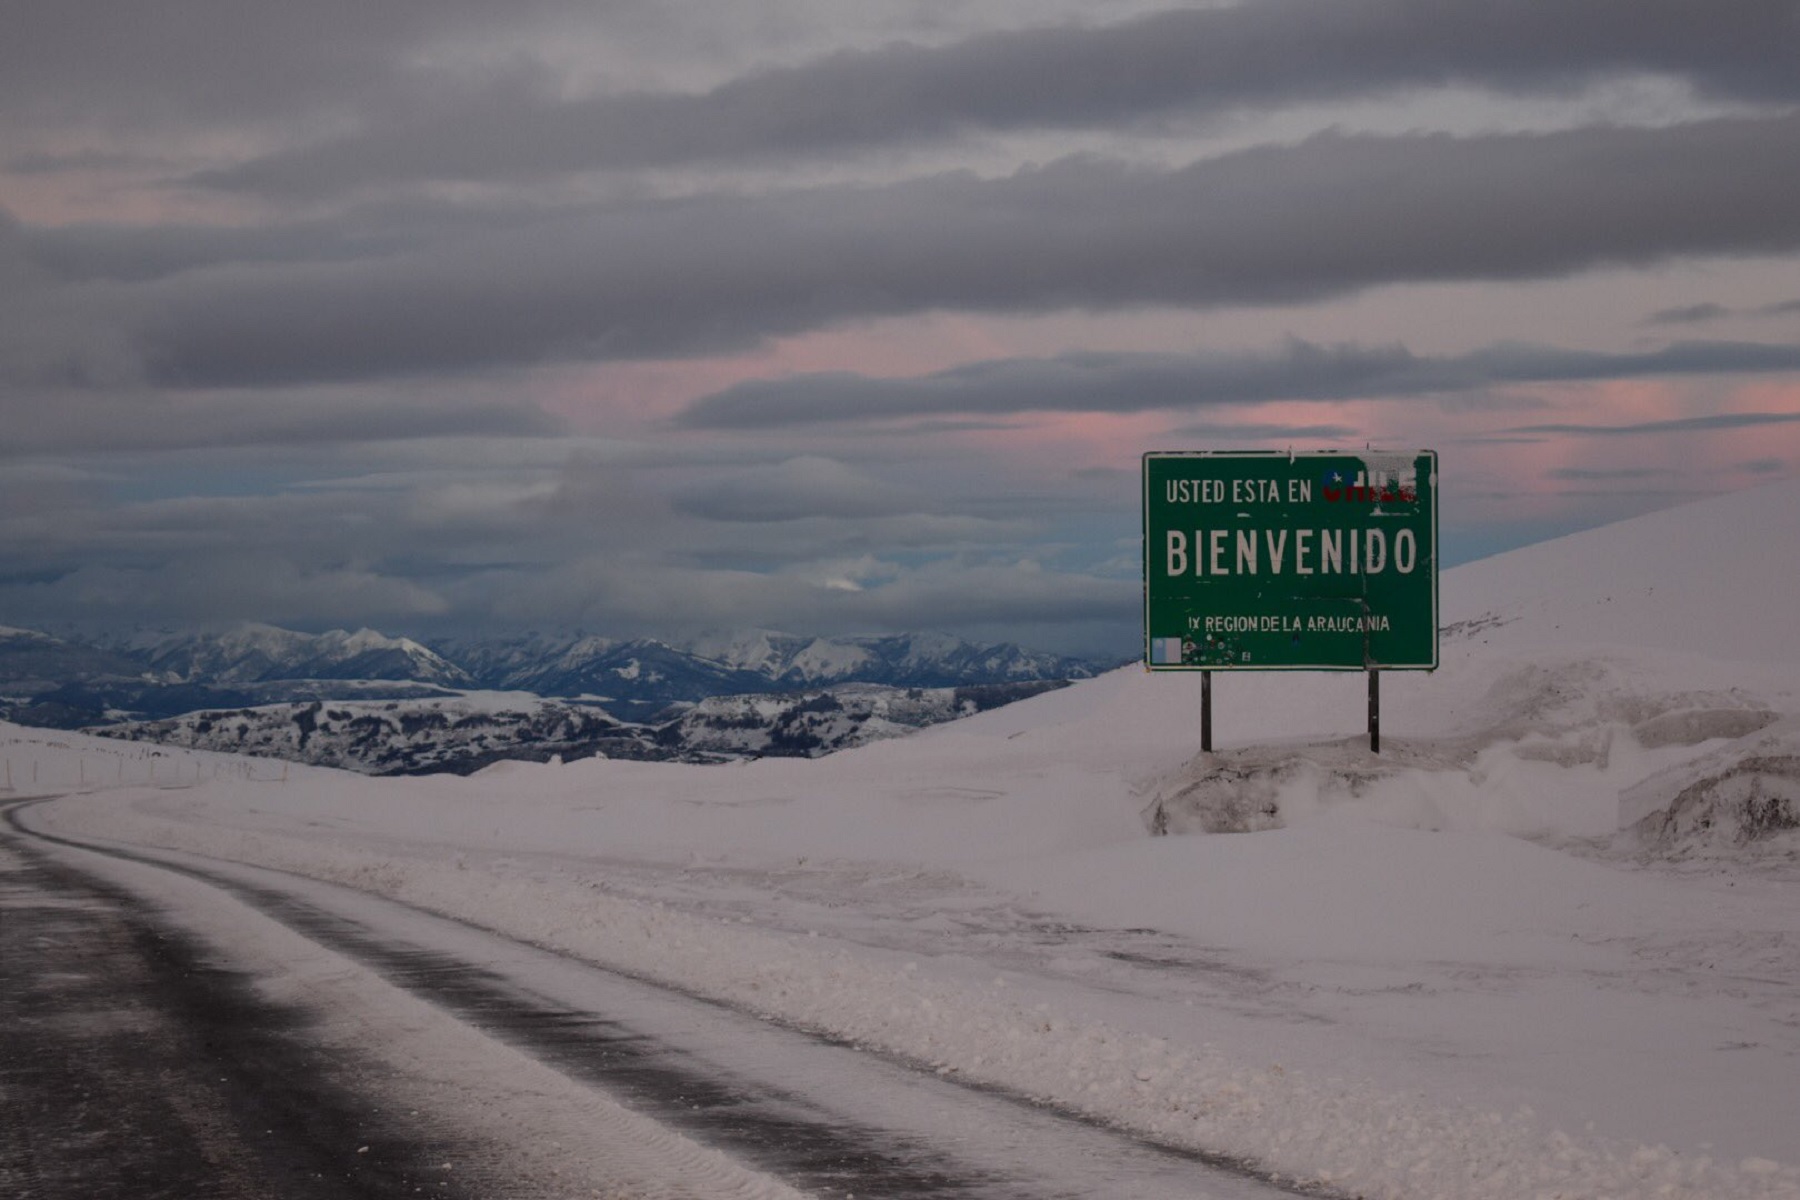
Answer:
(1260, 561)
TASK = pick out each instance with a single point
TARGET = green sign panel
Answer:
(1259, 561)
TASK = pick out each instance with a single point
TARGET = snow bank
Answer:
(1544, 749)
(1743, 796)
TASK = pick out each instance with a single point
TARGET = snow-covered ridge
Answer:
(1713, 578)
(260, 653)
(644, 675)
(467, 732)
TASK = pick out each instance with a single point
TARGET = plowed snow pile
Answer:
(1546, 944)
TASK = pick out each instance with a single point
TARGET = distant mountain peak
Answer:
(255, 653)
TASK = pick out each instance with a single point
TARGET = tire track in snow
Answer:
(133, 1065)
(821, 1115)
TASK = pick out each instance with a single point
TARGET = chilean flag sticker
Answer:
(1165, 651)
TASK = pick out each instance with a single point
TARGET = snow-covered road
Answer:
(657, 1092)
(134, 1062)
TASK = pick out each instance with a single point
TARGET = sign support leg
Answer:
(1206, 711)
(1374, 711)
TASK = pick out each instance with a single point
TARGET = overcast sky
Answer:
(639, 317)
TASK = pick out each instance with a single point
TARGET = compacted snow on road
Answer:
(1546, 944)
(552, 1076)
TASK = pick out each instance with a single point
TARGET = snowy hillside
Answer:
(1546, 944)
(1711, 578)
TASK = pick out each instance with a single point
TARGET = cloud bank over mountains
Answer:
(613, 316)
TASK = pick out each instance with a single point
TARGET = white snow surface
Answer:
(1527, 951)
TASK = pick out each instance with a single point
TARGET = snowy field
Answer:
(1546, 944)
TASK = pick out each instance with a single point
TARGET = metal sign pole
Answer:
(1206, 711)
(1374, 711)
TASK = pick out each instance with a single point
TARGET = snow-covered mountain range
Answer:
(464, 733)
(265, 653)
(640, 676)
(65, 682)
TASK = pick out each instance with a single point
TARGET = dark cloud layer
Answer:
(1255, 432)
(1270, 52)
(1598, 474)
(796, 489)
(1694, 314)
(1678, 425)
(301, 300)
(1329, 216)
(93, 253)
(1688, 314)
(1142, 382)
(134, 422)
(212, 63)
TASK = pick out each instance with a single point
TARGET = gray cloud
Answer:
(89, 252)
(1141, 382)
(800, 487)
(1695, 313)
(937, 595)
(209, 588)
(48, 163)
(1253, 431)
(240, 505)
(217, 536)
(220, 63)
(657, 278)
(1763, 466)
(1546, 364)
(1180, 61)
(1489, 401)
(1679, 425)
(1595, 474)
(1690, 314)
(143, 422)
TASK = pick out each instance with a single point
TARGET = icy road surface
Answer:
(385, 1008)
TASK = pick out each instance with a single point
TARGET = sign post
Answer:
(1206, 711)
(1276, 561)
(1374, 710)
